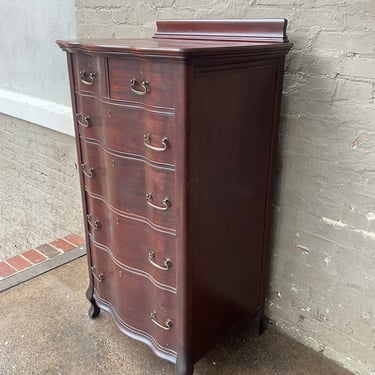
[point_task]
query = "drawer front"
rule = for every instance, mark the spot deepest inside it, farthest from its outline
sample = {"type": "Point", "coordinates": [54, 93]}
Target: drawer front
{"type": "Point", "coordinates": [147, 81]}
{"type": "Point", "coordinates": [89, 74]}
{"type": "Point", "coordinates": [139, 308]}
{"type": "Point", "coordinates": [127, 128]}
{"type": "Point", "coordinates": [129, 185]}
{"type": "Point", "coordinates": [133, 244]}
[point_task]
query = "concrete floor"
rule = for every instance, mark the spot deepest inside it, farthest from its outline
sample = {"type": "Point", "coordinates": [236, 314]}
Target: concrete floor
{"type": "Point", "coordinates": [44, 329]}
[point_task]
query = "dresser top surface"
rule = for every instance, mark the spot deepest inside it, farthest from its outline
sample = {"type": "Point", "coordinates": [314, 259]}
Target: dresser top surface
{"type": "Point", "coordinates": [168, 46]}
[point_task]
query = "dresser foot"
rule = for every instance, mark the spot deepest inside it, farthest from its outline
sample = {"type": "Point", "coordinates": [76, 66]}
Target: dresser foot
{"type": "Point", "coordinates": [257, 325]}
{"type": "Point", "coordinates": [184, 367]}
{"type": "Point", "coordinates": [94, 310]}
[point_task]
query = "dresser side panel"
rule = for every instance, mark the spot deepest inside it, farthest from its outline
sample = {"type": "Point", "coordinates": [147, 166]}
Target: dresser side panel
{"type": "Point", "coordinates": [230, 145]}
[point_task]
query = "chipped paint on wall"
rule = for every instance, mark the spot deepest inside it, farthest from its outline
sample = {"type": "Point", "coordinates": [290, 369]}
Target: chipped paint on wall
{"type": "Point", "coordinates": [340, 224]}
{"type": "Point", "coordinates": [304, 249]}
{"type": "Point", "coordinates": [335, 223]}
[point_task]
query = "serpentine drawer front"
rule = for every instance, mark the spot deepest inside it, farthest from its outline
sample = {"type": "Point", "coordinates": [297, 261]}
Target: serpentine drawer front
{"type": "Point", "coordinates": [127, 128]}
{"type": "Point", "coordinates": [176, 139]}
{"type": "Point", "coordinates": [151, 82]}
{"type": "Point", "coordinates": [88, 73]}
{"type": "Point", "coordinates": [134, 304]}
{"type": "Point", "coordinates": [149, 191]}
{"type": "Point", "coordinates": [153, 252]}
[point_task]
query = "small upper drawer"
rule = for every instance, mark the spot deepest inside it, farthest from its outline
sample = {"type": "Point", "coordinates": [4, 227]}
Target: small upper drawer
{"type": "Point", "coordinates": [142, 80]}
{"type": "Point", "coordinates": [89, 74]}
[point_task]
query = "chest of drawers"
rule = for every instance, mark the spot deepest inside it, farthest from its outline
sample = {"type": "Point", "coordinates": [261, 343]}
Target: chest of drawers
{"type": "Point", "coordinates": [176, 139]}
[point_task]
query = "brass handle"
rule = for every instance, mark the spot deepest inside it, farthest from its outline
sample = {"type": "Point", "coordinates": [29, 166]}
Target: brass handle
{"type": "Point", "coordinates": [147, 141]}
{"type": "Point", "coordinates": [89, 173]}
{"type": "Point", "coordinates": [144, 84]}
{"type": "Point", "coordinates": [95, 224]}
{"type": "Point", "coordinates": [167, 262]}
{"type": "Point", "coordinates": [87, 78]}
{"type": "Point", "coordinates": [167, 324]}
{"type": "Point", "coordinates": [99, 277]}
{"type": "Point", "coordinates": [82, 120]}
{"type": "Point", "coordinates": [166, 202]}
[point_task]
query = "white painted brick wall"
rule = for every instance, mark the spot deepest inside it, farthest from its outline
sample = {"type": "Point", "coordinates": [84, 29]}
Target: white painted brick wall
{"type": "Point", "coordinates": [323, 257]}
{"type": "Point", "coordinates": [39, 186]}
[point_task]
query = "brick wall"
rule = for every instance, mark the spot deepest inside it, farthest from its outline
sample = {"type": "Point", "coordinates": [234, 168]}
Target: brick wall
{"type": "Point", "coordinates": [323, 257]}
{"type": "Point", "coordinates": [39, 186]}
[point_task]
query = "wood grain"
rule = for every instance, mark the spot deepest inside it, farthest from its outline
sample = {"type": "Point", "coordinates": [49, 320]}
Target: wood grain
{"type": "Point", "coordinates": [130, 242]}
{"type": "Point", "coordinates": [123, 182]}
{"type": "Point", "coordinates": [122, 128]}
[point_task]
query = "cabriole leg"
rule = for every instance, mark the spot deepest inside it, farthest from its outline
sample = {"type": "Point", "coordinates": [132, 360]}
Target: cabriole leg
{"type": "Point", "coordinates": [94, 310]}
{"type": "Point", "coordinates": [257, 325]}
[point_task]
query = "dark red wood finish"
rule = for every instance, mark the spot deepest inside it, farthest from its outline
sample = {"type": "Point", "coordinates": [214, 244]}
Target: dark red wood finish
{"type": "Point", "coordinates": [121, 128]}
{"type": "Point", "coordinates": [104, 172]}
{"type": "Point", "coordinates": [118, 233]}
{"type": "Point", "coordinates": [160, 76]}
{"type": "Point", "coordinates": [229, 163]}
{"type": "Point", "coordinates": [269, 30]}
{"type": "Point", "coordinates": [213, 88]}
{"type": "Point", "coordinates": [86, 64]}
{"type": "Point", "coordinates": [132, 307]}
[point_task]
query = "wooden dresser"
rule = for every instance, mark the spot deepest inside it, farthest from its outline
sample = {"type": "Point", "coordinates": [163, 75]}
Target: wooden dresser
{"type": "Point", "coordinates": [176, 138]}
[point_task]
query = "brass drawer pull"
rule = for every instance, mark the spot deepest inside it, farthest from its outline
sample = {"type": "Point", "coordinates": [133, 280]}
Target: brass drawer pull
{"type": "Point", "coordinates": [88, 173]}
{"type": "Point", "coordinates": [99, 277]}
{"type": "Point", "coordinates": [84, 121]}
{"type": "Point", "coordinates": [166, 203]}
{"type": "Point", "coordinates": [147, 141]}
{"type": "Point", "coordinates": [145, 86]}
{"type": "Point", "coordinates": [167, 262]}
{"type": "Point", "coordinates": [95, 224]}
{"type": "Point", "coordinates": [87, 78]}
{"type": "Point", "coordinates": [167, 324]}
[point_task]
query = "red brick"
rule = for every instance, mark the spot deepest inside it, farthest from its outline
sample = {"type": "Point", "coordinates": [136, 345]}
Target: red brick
{"type": "Point", "coordinates": [18, 263]}
{"type": "Point", "coordinates": [48, 250]}
{"type": "Point", "coordinates": [6, 270]}
{"type": "Point", "coordinates": [34, 256]}
{"type": "Point", "coordinates": [61, 244]}
{"type": "Point", "coordinates": [75, 239]}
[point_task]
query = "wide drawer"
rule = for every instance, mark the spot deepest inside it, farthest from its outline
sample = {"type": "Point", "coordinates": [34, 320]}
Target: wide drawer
{"type": "Point", "coordinates": [133, 244]}
{"type": "Point", "coordinates": [127, 128]}
{"type": "Point", "coordinates": [89, 74]}
{"type": "Point", "coordinates": [129, 185]}
{"type": "Point", "coordinates": [137, 307]}
{"type": "Point", "coordinates": [147, 81]}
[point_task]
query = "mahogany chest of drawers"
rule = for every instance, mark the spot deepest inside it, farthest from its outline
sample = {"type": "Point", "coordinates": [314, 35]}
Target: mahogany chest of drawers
{"type": "Point", "coordinates": [176, 139]}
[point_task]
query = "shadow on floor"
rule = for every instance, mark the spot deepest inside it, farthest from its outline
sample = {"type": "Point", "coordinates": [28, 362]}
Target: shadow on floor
{"type": "Point", "coordinates": [45, 330]}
